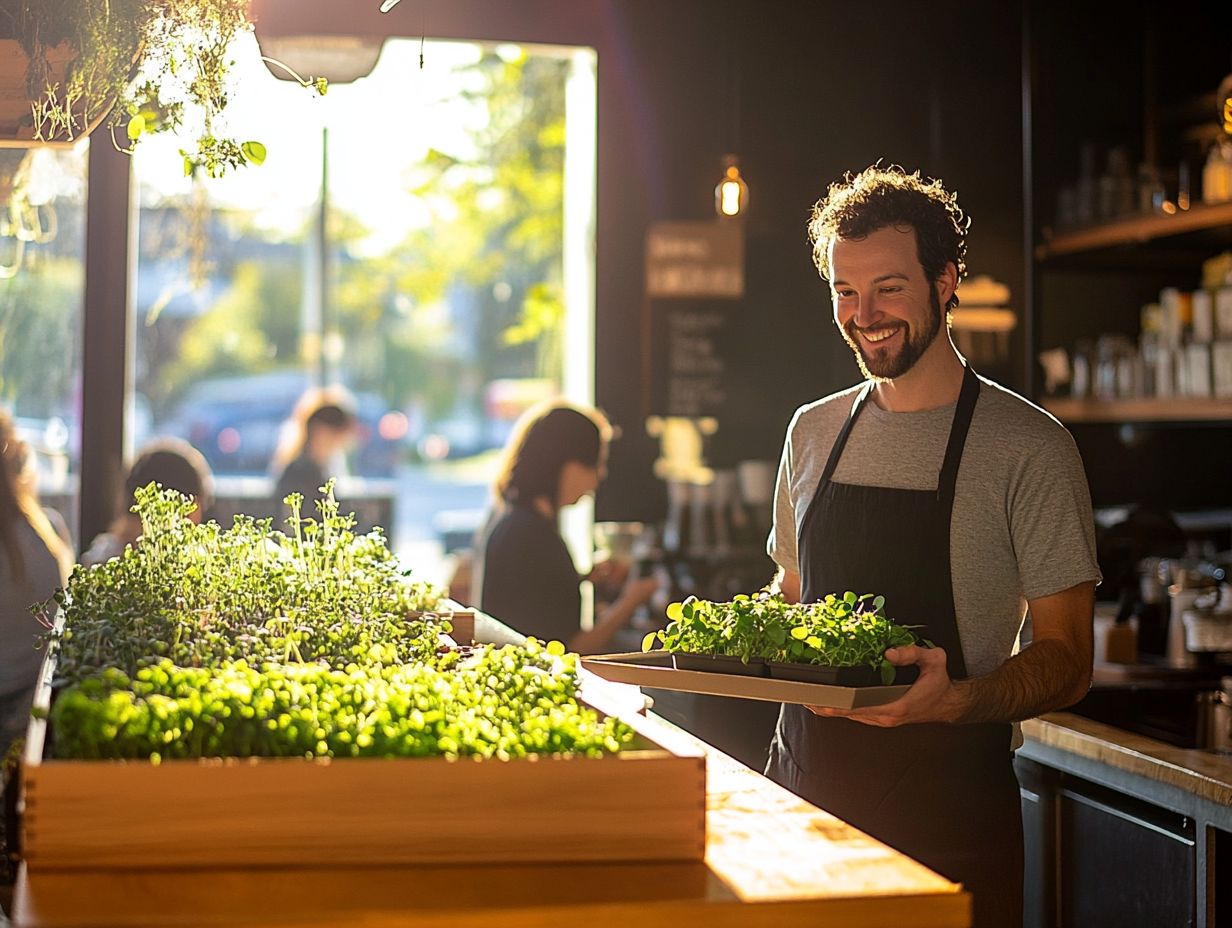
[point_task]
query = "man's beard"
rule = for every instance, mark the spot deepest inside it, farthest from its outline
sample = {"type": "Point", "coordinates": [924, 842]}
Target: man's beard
{"type": "Point", "coordinates": [882, 364]}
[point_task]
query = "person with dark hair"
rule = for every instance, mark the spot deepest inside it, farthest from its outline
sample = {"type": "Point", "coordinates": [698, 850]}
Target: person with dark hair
{"type": "Point", "coordinates": [964, 506]}
{"type": "Point", "coordinates": [526, 576]}
{"type": "Point", "coordinates": [34, 562]}
{"type": "Point", "coordinates": [321, 428]}
{"type": "Point", "coordinates": [171, 463]}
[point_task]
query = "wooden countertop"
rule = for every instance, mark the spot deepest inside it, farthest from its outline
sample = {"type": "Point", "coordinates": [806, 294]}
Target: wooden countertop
{"type": "Point", "coordinates": [1206, 775]}
{"type": "Point", "coordinates": [771, 859]}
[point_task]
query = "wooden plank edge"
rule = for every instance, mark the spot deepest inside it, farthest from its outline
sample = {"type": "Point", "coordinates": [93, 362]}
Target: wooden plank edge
{"type": "Point", "coordinates": [949, 911]}
{"type": "Point", "coordinates": [1135, 230]}
{"type": "Point", "coordinates": [36, 731]}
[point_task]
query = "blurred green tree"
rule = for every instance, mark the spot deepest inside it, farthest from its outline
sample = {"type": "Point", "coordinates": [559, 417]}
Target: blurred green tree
{"type": "Point", "coordinates": [40, 316]}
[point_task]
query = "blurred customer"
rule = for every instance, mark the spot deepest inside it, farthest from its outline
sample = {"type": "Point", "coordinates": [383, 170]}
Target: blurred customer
{"type": "Point", "coordinates": [556, 456]}
{"type": "Point", "coordinates": [170, 462]}
{"type": "Point", "coordinates": [34, 562]}
{"type": "Point", "coordinates": [320, 431]}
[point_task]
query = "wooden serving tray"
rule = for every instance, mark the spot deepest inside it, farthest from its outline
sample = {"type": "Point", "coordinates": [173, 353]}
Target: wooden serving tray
{"type": "Point", "coordinates": [654, 669]}
{"type": "Point", "coordinates": [647, 803]}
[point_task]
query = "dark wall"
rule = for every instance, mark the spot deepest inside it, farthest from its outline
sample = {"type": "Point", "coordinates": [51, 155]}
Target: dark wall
{"type": "Point", "coordinates": [802, 91]}
{"type": "Point", "coordinates": [822, 88]}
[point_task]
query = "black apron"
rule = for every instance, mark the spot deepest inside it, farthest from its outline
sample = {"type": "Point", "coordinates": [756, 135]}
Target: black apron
{"type": "Point", "coordinates": [945, 795]}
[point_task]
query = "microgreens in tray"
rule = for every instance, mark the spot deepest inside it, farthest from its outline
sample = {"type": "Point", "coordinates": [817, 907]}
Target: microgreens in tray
{"type": "Point", "coordinates": [841, 630]}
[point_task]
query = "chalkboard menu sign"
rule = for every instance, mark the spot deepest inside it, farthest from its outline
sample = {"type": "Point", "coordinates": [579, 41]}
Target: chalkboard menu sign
{"type": "Point", "coordinates": [694, 280]}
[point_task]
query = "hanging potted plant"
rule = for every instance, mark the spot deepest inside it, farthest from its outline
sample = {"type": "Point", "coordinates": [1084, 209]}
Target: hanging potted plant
{"type": "Point", "coordinates": [137, 66]}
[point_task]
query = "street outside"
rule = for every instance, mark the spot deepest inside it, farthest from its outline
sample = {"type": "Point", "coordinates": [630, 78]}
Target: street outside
{"type": "Point", "coordinates": [437, 504]}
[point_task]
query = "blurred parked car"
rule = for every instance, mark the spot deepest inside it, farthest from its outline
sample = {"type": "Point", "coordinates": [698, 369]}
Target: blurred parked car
{"type": "Point", "coordinates": [458, 436]}
{"type": "Point", "coordinates": [465, 432]}
{"type": "Point", "coordinates": [236, 423]}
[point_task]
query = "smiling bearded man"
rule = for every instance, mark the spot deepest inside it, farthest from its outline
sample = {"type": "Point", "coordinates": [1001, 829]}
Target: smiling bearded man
{"type": "Point", "coordinates": [881, 362]}
{"type": "Point", "coordinates": [960, 503]}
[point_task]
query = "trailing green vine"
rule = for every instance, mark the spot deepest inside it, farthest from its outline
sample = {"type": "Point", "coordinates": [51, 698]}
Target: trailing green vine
{"type": "Point", "coordinates": [179, 50]}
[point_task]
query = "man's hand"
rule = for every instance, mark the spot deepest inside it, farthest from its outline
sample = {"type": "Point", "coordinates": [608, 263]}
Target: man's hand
{"type": "Point", "coordinates": [1054, 671]}
{"type": "Point", "coordinates": [932, 698]}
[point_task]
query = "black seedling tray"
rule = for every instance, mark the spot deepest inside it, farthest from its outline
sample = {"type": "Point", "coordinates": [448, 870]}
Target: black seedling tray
{"type": "Point", "coordinates": [720, 663]}
{"type": "Point", "coordinates": [838, 676]}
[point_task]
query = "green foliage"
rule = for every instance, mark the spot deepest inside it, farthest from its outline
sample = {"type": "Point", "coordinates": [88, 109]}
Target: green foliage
{"type": "Point", "coordinates": [200, 642]}
{"type": "Point", "coordinates": [40, 316]}
{"type": "Point", "coordinates": [845, 631]}
{"type": "Point", "coordinates": [253, 327]}
{"type": "Point", "coordinates": [495, 242]}
{"type": "Point", "coordinates": [501, 703]}
{"type": "Point", "coordinates": [202, 596]}
{"type": "Point", "coordinates": [701, 627]}
{"type": "Point", "coordinates": [500, 217]}
{"type": "Point", "coordinates": [182, 49]}
{"type": "Point", "coordinates": [839, 630]}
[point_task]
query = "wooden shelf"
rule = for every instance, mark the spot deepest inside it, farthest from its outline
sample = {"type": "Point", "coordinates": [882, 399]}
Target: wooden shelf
{"type": "Point", "coordinates": [1181, 409]}
{"type": "Point", "coordinates": [1136, 229]}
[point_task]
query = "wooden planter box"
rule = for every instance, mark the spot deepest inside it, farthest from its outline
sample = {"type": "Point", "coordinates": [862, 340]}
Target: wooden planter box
{"type": "Point", "coordinates": [647, 803]}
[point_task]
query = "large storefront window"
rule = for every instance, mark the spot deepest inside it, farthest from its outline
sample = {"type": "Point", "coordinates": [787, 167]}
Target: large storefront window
{"type": "Point", "coordinates": [407, 239]}
{"type": "Point", "coordinates": [42, 279]}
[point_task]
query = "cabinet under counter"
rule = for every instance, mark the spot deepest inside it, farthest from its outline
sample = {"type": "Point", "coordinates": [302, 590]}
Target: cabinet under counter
{"type": "Point", "coordinates": [1122, 829]}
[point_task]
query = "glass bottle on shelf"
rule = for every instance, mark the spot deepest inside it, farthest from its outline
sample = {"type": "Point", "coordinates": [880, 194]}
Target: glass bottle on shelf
{"type": "Point", "coordinates": [1223, 102]}
{"type": "Point", "coordinates": [1086, 197]}
{"type": "Point", "coordinates": [1149, 347]}
{"type": "Point", "coordinates": [1105, 369]}
{"type": "Point", "coordinates": [1116, 187]}
{"type": "Point", "coordinates": [1080, 381]}
{"type": "Point", "coordinates": [1217, 173]}
{"type": "Point", "coordinates": [1150, 189]}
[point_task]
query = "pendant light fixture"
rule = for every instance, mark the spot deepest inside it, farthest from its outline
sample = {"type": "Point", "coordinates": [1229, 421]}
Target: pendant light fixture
{"type": "Point", "coordinates": [731, 196]}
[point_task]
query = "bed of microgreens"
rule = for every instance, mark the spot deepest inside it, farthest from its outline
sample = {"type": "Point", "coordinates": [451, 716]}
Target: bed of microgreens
{"type": "Point", "coordinates": [839, 630]}
{"type": "Point", "coordinates": [201, 641]}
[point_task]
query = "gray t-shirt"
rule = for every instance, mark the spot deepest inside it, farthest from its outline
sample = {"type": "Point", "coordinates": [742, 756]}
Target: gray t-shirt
{"type": "Point", "coordinates": [1022, 526]}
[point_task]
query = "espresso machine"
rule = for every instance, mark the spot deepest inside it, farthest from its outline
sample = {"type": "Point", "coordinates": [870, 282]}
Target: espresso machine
{"type": "Point", "coordinates": [1180, 617]}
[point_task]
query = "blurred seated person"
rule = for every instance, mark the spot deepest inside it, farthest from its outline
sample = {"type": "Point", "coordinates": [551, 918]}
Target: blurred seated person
{"type": "Point", "coordinates": [170, 462]}
{"type": "Point", "coordinates": [321, 430]}
{"type": "Point", "coordinates": [34, 563]}
{"type": "Point", "coordinates": [526, 576]}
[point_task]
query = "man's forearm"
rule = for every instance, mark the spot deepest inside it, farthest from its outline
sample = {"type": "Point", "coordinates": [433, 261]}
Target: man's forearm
{"type": "Point", "coordinates": [1045, 676]}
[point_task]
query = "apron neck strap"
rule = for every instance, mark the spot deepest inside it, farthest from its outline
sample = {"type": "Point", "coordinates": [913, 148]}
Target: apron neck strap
{"type": "Point", "coordinates": [836, 450]}
{"type": "Point", "coordinates": [967, 396]}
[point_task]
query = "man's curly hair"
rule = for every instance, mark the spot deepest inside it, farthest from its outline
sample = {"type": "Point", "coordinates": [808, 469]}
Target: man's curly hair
{"type": "Point", "coordinates": [878, 197]}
